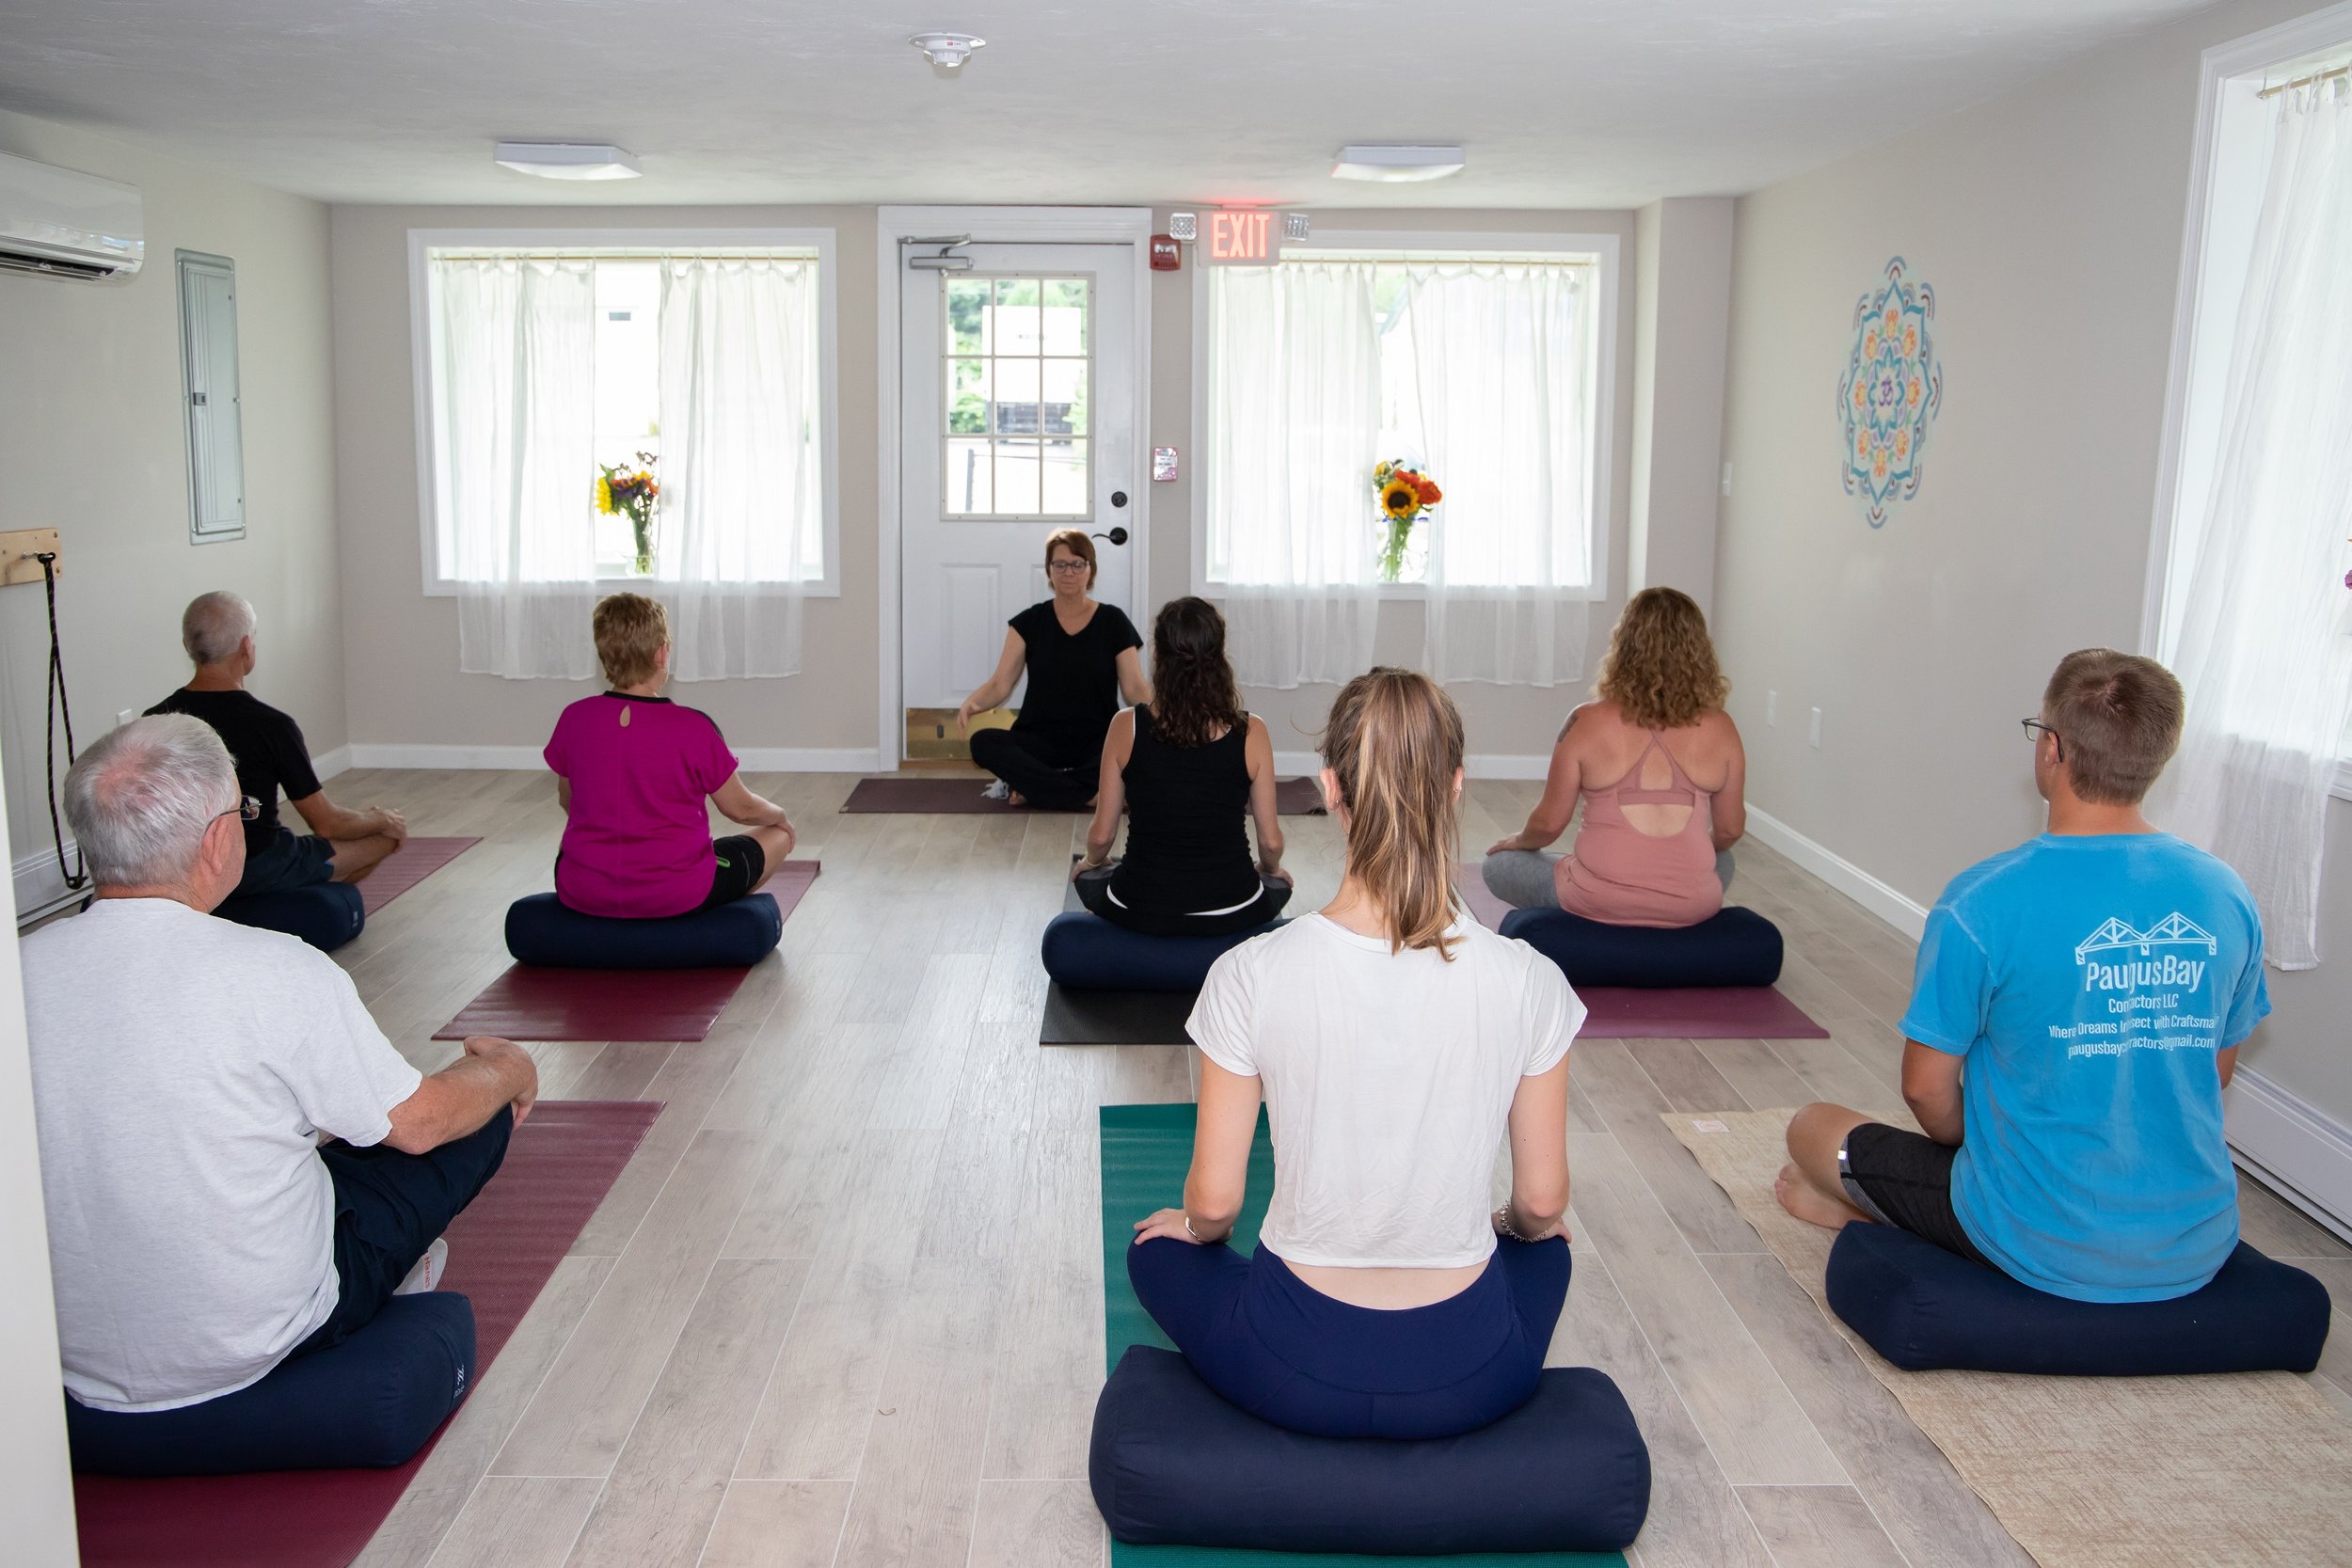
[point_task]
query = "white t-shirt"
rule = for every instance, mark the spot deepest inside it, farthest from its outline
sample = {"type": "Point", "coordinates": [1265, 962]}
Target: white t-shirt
{"type": "Point", "coordinates": [1388, 1080]}
{"type": "Point", "coordinates": [183, 1067]}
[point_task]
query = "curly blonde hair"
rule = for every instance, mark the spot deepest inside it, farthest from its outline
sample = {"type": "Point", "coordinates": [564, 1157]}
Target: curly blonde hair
{"type": "Point", "coordinates": [1660, 667]}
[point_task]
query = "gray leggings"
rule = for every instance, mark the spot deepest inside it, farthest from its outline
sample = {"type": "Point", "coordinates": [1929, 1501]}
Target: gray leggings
{"type": "Point", "coordinates": [1524, 878]}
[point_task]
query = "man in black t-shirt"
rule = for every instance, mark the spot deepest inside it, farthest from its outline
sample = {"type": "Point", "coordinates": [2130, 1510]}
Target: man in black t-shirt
{"type": "Point", "coordinates": [267, 745]}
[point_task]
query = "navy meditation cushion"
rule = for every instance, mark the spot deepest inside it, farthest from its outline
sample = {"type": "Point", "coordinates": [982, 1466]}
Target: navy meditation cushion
{"type": "Point", "coordinates": [325, 916]}
{"type": "Point", "coordinates": [1732, 947]}
{"type": "Point", "coordinates": [540, 930]}
{"type": "Point", "coordinates": [1085, 952]}
{"type": "Point", "coordinates": [1173, 1463]}
{"type": "Point", "coordinates": [371, 1401]}
{"type": "Point", "coordinates": [1925, 1309]}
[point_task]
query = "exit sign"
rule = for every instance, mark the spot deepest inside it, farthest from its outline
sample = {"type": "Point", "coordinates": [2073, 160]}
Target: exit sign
{"type": "Point", "coordinates": [1240, 238]}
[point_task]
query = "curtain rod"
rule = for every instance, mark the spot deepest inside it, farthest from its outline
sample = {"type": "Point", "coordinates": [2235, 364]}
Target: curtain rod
{"type": "Point", "coordinates": [2304, 81]}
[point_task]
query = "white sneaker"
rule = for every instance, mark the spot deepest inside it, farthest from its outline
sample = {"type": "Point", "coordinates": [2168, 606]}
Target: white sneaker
{"type": "Point", "coordinates": [429, 1269]}
{"type": "Point", "coordinates": [997, 790]}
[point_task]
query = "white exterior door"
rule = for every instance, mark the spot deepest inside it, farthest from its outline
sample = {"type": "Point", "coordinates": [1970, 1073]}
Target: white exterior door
{"type": "Point", "coordinates": [1018, 410]}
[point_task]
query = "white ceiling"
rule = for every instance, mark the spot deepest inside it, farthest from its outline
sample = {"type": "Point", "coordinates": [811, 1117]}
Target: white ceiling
{"type": "Point", "coordinates": [1561, 103]}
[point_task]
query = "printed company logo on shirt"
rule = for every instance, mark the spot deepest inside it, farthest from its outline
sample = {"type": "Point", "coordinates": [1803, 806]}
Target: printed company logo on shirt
{"type": "Point", "coordinates": [2116, 957]}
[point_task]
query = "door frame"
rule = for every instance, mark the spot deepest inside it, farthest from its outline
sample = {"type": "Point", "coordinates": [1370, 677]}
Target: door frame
{"type": "Point", "coordinates": [1128, 225]}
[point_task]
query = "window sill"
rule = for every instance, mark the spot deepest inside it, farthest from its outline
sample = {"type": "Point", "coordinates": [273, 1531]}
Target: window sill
{"type": "Point", "coordinates": [813, 589]}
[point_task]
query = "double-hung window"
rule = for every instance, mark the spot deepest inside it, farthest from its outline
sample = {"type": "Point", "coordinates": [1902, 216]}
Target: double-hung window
{"type": "Point", "coordinates": [1481, 369]}
{"type": "Point", "coordinates": [598, 411]}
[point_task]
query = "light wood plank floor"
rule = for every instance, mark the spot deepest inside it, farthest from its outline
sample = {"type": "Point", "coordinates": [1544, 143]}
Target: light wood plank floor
{"type": "Point", "coordinates": [843, 1309]}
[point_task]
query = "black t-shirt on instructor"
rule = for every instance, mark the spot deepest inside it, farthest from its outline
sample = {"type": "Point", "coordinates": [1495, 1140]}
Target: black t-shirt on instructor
{"type": "Point", "coordinates": [1074, 676]}
{"type": "Point", "coordinates": [266, 746]}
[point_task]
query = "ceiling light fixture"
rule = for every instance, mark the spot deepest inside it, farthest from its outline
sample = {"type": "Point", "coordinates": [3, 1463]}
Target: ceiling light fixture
{"type": "Point", "coordinates": [1395, 165]}
{"type": "Point", "coordinates": [557, 159]}
{"type": "Point", "coordinates": [947, 51]}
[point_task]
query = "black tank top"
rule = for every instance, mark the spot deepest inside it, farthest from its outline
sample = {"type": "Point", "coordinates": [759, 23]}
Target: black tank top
{"type": "Point", "coordinates": [1186, 850]}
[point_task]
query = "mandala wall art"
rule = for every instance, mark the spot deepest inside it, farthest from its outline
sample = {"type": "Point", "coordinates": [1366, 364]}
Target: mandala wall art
{"type": "Point", "coordinates": [1894, 385]}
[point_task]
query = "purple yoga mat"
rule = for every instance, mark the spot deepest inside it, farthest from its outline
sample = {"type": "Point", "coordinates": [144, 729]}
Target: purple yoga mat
{"type": "Point", "coordinates": [408, 865]}
{"type": "Point", "coordinates": [961, 794]}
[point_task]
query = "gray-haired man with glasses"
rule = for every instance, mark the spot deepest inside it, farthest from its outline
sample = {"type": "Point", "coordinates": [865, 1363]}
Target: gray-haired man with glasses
{"type": "Point", "coordinates": [184, 1071]}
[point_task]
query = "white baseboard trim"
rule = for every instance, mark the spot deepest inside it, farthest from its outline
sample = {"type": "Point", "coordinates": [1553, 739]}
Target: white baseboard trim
{"type": "Point", "coordinates": [38, 888]}
{"type": "Point", "coordinates": [756, 759]}
{"type": "Point", "coordinates": [1491, 765]}
{"type": "Point", "coordinates": [327, 764]}
{"type": "Point", "coordinates": [2297, 1149]}
{"type": "Point", "coordinates": [1896, 908]}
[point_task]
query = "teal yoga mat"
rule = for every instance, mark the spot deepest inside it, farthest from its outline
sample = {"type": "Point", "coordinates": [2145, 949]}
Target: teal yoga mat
{"type": "Point", "coordinates": [1146, 1151]}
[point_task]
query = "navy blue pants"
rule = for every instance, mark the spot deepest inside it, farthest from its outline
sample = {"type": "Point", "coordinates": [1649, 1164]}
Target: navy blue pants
{"type": "Point", "coordinates": [388, 1208]}
{"type": "Point", "coordinates": [1288, 1353]}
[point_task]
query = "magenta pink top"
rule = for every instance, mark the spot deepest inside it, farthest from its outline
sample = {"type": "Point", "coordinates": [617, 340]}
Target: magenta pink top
{"type": "Point", "coordinates": [638, 844]}
{"type": "Point", "coordinates": [1626, 877]}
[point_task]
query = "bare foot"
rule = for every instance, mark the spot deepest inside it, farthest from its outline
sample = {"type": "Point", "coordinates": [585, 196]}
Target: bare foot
{"type": "Point", "coordinates": [1809, 1203]}
{"type": "Point", "coordinates": [1014, 797]}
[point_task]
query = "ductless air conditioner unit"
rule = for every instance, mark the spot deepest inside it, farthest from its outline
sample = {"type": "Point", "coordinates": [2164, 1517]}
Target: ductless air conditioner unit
{"type": "Point", "coordinates": [67, 224]}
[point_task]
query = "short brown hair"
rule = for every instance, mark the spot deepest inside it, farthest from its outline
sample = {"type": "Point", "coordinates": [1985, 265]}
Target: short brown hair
{"type": "Point", "coordinates": [1076, 542]}
{"type": "Point", "coordinates": [2118, 719]}
{"type": "Point", "coordinates": [1660, 665]}
{"type": "Point", "coordinates": [631, 631]}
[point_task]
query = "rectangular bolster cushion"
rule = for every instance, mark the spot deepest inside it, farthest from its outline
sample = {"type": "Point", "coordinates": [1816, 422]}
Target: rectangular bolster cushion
{"type": "Point", "coordinates": [325, 916]}
{"type": "Point", "coordinates": [1925, 1309]}
{"type": "Point", "coordinates": [1085, 952]}
{"type": "Point", "coordinates": [1173, 1463]}
{"type": "Point", "coordinates": [540, 930]}
{"type": "Point", "coordinates": [1734, 946]}
{"type": "Point", "coordinates": [372, 1401]}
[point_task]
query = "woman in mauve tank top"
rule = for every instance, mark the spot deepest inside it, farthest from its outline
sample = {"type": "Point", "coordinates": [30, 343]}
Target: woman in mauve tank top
{"type": "Point", "coordinates": [1657, 765]}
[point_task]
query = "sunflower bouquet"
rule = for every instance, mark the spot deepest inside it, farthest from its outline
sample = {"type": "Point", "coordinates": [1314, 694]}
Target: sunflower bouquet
{"type": "Point", "coordinates": [1405, 495]}
{"type": "Point", "coordinates": [626, 492]}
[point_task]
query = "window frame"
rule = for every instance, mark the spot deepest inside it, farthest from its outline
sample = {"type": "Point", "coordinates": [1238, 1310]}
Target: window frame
{"type": "Point", "coordinates": [624, 244]}
{"type": "Point", "coordinates": [2217, 233]}
{"type": "Point", "coordinates": [1604, 248]}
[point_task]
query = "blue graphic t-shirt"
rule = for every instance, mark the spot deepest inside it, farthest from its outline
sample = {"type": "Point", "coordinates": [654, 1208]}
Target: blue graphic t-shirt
{"type": "Point", "coordinates": [2089, 980]}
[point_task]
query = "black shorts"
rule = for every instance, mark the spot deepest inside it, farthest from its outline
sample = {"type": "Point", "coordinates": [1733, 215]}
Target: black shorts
{"type": "Point", "coordinates": [1904, 1180]}
{"type": "Point", "coordinates": [289, 859]}
{"type": "Point", "coordinates": [742, 863]}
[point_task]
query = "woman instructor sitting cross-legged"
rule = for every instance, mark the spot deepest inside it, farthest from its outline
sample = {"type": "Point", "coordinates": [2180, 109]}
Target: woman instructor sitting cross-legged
{"type": "Point", "coordinates": [1082, 659]}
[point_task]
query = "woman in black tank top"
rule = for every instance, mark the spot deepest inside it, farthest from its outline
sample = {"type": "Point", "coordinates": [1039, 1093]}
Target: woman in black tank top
{"type": "Point", "coordinates": [1186, 768]}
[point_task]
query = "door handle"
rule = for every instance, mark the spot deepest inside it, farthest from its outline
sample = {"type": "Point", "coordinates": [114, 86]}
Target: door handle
{"type": "Point", "coordinates": [1117, 536]}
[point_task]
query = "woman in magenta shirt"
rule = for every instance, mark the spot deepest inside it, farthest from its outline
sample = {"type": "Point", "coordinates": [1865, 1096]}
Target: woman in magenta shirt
{"type": "Point", "coordinates": [633, 770]}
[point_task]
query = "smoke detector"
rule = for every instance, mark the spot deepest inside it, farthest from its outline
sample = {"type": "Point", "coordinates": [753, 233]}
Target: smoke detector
{"type": "Point", "coordinates": [947, 51]}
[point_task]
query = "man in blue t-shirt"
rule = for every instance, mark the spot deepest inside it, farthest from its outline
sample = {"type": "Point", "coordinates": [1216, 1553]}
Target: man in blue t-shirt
{"type": "Point", "coordinates": [2076, 1013]}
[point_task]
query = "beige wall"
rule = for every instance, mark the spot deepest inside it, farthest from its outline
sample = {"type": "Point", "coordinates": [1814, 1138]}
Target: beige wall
{"type": "Point", "coordinates": [93, 442]}
{"type": "Point", "coordinates": [403, 644]}
{"type": "Point", "coordinates": [1683, 318]}
{"type": "Point", "coordinates": [1512, 722]}
{"type": "Point", "coordinates": [2049, 223]}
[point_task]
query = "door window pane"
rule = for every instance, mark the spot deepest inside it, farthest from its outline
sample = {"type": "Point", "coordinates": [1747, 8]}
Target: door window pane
{"type": "Point", "coordinates": [1017, 370]}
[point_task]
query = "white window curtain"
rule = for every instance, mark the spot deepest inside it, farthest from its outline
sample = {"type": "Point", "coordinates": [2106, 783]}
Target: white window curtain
{"type": "Point", "coordinates": [516, 372]}
{"type": "Point", "coordinates": [2265, 641]}
{"type": "Point", "coordinates": [742, 491]}
{"type": "Point", "coordinates": [1294, 383]}
{"type": "Point", "coordinates": [1499, 401]}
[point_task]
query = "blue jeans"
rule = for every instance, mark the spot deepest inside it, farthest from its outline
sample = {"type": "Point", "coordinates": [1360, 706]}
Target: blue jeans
{"type": "Point", "coordinates": [388, 1208]}
{"type": "Point", "coordinates": [1287, 1354]}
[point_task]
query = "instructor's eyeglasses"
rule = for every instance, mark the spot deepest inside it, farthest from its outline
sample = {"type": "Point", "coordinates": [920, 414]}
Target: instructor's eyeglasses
{"type": "Point", "coordinates": [246, 809]}
{"type": "Point", "coordinates": [2036, 729]}
{"type": "Point", "coordinates": [1065, 565]}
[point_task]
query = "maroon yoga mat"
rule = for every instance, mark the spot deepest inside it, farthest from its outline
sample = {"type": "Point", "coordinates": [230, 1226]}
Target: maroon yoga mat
{"type": "Point", "coordinates": [532, 1004]}
{"type": "Point", "coordinates": [408, 865]}
{"type": "Point", "coordinates": [528, 1003]}
{"type": "Point", "coordinates": [960, 795]}
{"type": "Point", "coordinates": [501, 1250]}
{"type": "Point", "coordinates": [1687, 1013]}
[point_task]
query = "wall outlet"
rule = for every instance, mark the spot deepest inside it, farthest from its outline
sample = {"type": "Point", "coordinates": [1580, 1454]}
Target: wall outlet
{"type": "Point", "coordinates": [1726, 479]}
{"type": "Point", "coordinates": [1771, 707]}
{"type": "Point", "coordinates": [125, 717]}
{"type": "Point", "coordinates": [1816, 729]}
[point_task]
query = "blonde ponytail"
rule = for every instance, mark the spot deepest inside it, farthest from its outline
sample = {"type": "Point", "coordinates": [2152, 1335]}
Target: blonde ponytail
{"type": "Point", "coordinates": [1394, 742]}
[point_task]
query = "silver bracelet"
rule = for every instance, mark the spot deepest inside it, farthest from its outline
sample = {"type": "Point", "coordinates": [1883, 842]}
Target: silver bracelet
{"type": "Point", "coordinates": [1186, 1219]}
{"type": "Point", "coordinates": [1502, 1223]}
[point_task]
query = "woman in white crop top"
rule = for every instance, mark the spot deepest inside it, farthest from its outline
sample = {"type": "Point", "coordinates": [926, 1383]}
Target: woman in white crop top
{"type": "Point", "coordinates": [1393, 1041]}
